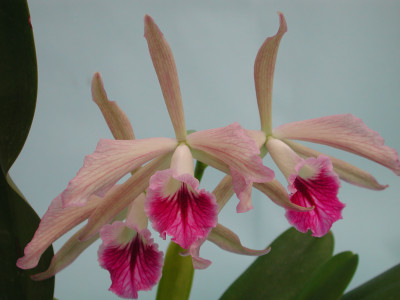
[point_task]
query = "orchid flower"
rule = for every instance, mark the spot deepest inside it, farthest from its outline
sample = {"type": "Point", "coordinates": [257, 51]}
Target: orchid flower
{"type": "Point", "coordinates": [313, 177]}
{"type": "Point", "coordinates": [173, 202]}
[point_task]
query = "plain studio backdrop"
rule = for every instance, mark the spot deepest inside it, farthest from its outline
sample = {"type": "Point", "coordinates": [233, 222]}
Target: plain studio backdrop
{"type": "Point", "coordinates": [337, 57]}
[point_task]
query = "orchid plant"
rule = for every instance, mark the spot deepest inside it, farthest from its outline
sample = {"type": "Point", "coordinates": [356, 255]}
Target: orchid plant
{"type": "Point", "coordinates": [163, 186]}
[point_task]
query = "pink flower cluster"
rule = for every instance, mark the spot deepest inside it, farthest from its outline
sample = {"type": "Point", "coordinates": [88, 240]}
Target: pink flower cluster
{"type": "Point", "coordinates": [162, 187]}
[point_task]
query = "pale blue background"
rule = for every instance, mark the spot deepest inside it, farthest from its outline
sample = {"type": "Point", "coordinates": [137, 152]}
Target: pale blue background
{"type": "Point", "coordinates": [337, 57]}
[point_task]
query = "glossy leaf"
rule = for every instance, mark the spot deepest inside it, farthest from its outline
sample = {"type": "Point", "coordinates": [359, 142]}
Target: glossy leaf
{"type": "Point", "coordinates": [282, 273]}
{"type": "Point", "coordinates": [330, 281]}
{"type": "Point", "coordinates": [18, 223]}
{"type": "Point", "coordinates": [385, 286]}
{"type": "Point", "coordinates": [18, 79]}
{"type": "Point", "coordinates": [177, 275]}
{"type": "Point", "coordinates": [18, 88]}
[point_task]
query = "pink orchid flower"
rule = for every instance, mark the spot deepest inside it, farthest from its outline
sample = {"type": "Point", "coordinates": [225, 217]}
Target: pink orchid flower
{"type": "Point", "coordinates": [173, 202]}
{"type": "Point", "coordinates": [313, 177]}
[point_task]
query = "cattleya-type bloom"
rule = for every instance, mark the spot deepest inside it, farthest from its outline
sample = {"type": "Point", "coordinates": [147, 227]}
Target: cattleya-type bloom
{"type": "Point", "coordinates": [162, 188]}
{"type": "Point", "coordinates": [313, 177]}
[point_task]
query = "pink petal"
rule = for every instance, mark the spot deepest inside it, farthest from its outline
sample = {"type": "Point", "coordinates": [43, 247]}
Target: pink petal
{"type": "Point", "coordinates": [242, 188]}
{"type": "Point", "coordinates": [258, 136]}
{"type": "Point", "coordinates": [131, 257]}
{"type": "Point", "coordinates": [118, 199]}
{"type": "Point", "coordinates": [199, 263]}
{"type": "Point", "coordinates": [55, 222]}
{"type": "Point", "coordinates": [319, 190]}
{"type": "Point", "coordinates": [226, 240]}
{"type": "Point", "coordinates": [116, 119]}
{"type": "Point", "coordinates": [185, 213]}
{"type": "Point", "coordinates": [165, 67]}
{"type": "Point", "coordinates": [66, 255]}
{"type": "Point", "coordinates": [110, 162]}
{"type": "Point", "coordinates": [229, 241]}
{"type": "Point", "coordinates": [346, 171]}
{"type": "Point", "coordinates": [232, 146]}
{"type": "Point", "coordinates": [344, 132]}
{"type": "Point", "coordinates": [264, 67]}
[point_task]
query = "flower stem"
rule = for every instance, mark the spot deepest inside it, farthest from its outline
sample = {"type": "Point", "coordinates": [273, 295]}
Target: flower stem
{"type": "Point", "coordinates": [177, 275]}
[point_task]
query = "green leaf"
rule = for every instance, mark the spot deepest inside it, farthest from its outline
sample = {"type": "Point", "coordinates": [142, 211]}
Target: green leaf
{"type": "Point", "coordinates": [18, 79]}
{"type": "Point", "coordinates": [385, 286]}
{"type": "Point", "coordinates": [18, 223]}
{"type": "Point", "coordinates": [177, 275]}
{"type": "Point", "coordinates": [330, 281]}
{"type": "Point", "coordinates": [283, 272]}
{"type": "Point", "coordinates": [18, 88]}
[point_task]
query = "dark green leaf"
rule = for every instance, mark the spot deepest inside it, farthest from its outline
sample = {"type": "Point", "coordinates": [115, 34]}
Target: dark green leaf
{"type": "Point", "coordinates": [177, 275]}
{"type": "Point", "coordinates": [18, 88]}
{"type": "Point", "coordinates": [283, 272]}
{"type": "Point", "coordinates": [18, 79]}
{"type": "Point", "coordinates": [332, 278]}
{"type": "Point", "coordinates": [18, 223]}
{"type": "Point", "coordinates": [385, 286]}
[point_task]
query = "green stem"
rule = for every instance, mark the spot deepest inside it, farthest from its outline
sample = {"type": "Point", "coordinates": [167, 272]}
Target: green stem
{"type": "Point", "coordinates": [177, 275]}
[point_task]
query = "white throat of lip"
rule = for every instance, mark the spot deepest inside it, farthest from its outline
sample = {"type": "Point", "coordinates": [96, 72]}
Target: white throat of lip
{"type": "Point", "coordinates": [306, 171]}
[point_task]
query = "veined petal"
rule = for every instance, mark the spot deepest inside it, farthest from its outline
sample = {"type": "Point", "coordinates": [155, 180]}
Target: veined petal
{"type": "Point", "coordinates": [346, 171]}
{"type": "Point", "coordinates": [66, 255]}
{"type": "Point", "coordinates": [165, 67]}
{"type": "Point", "coordinates": [110, 162]}
{"type": "Point", "coordinates": [258, 137]}
{"type": "Point", "coordinates": [315, 184]}
{"type": "Point", "coordinates": [264, 67]}
{"type": "Point", "coordinates": [344, 132]}
{"type": "Point", "coordinates": [131, 257]}
{"type": "Point", "coordinates": [242, 188]}
{"type": "Point", "coordinates": [116, 119]}
{"type": "Point", "coordinates": [56, 221]}
{"type": "Point", "coordinates": [235, 148]}
{"type": "Point", "coordinates": [229, 241]}
{"type": "Point", "coordinates": [232, 146]}
{"type": "Point", "coordinates": [176, 207]}
{"type": "Point", "coordinates": [118, 199]}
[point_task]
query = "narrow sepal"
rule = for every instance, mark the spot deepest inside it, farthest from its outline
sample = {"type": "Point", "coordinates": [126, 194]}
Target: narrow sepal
{"type": "Point", "coordinates": [165, 67]}
{"type": "Point", "coordinates": [56, 221]}
{"type": "Point", "coordinates": [116, 119]}
{"type": "Point", "coordinates": [264, 67]}
{"type": "Point", "coordinates": [112, 160]}
{"type": "Point", "coordinates": [66, 255]}
{"type": "Point", "coordinates": [121, 197]}
{"type": "Point", "coordinates": [229, 241]}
